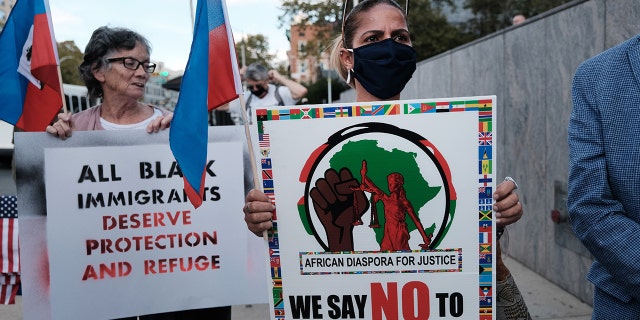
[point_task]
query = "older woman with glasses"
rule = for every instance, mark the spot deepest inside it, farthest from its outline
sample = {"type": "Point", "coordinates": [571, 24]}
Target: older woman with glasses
{"type": "Point", "coordinates": [115, 68]}
{"type": "Point", "coordinates": [374, 55]}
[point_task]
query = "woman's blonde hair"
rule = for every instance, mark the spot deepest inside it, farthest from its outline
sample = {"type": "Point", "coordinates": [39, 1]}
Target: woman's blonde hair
{"type": "Point", "coordinates": [334, 60]}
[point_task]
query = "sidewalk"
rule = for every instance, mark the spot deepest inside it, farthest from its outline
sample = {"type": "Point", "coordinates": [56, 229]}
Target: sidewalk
{"type": "Point", "coordinates": [545, 300]}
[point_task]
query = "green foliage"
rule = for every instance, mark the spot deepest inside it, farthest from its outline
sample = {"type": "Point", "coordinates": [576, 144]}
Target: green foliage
{"type": "Point", "coordinates": [256, 49]}
{"type": "Point", "coordinates": [70, 58]}
{"type": "Point", "coordinates": [431, 33]}
{"type": "Point", "coordinates": [318, 92]}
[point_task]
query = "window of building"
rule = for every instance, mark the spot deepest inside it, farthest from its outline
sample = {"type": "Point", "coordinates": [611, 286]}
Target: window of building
{"type": "Point", "coordinates": [302, 46]}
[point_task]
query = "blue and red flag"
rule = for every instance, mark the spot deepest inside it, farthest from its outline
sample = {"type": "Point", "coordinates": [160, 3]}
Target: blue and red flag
{"type": "Point", "coordinates": [210, 80]}
{"type": "Point", "coordinates": [30, 88]}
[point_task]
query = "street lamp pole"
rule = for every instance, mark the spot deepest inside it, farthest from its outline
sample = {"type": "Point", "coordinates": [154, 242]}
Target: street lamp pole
{"type": "Point", "coordinates": [242, 47]}
{"type": "Point", "coordinates": [193, 24]}
{"type": "Point", "coordinates": [64, 102]}
{"type": "Point", "coordinates": [329, 94]}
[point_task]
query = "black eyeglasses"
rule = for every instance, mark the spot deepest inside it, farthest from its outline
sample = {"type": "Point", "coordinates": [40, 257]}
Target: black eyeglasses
{"type": "Point", "coordinates": [134, 64]}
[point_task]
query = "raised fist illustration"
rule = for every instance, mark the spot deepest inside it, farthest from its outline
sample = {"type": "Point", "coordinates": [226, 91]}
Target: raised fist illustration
{"type": "Point", "coordinates": [339, 203]}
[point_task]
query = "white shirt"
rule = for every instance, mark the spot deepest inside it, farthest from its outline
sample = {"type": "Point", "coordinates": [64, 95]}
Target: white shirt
{"type": "Point", "coordinates": [269, 100]}
{"type": "Point", "coordinates": [140, 125]}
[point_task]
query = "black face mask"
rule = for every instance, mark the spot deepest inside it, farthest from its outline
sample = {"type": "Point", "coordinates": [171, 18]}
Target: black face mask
{"type": "Point", "coordinates": [384, 68]}
{"type": "Point", "coordinates": [257, 90]}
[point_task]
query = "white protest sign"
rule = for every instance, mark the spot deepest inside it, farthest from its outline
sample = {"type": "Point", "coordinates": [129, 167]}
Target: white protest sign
{"type": "Point", "coordinates": [383, 209]}
{"type": "Point", "coordinates": [119, 238]}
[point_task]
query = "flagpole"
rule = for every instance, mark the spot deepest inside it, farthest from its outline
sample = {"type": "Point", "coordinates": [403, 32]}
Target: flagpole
{"type": "Point", "coordinates": [193, 24]}
{"type": "Point", "coordinates": [252, 155]}
{"type": "Point", "coordinates": [64, 102]}
{"type": "Point", "coordinates": [247, 132]}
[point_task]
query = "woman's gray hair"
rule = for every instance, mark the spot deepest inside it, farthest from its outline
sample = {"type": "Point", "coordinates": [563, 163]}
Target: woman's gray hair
{"type": "Point", "coordinates": [103, 42]}
{"type": "Point", "coordinates": [256, 72]}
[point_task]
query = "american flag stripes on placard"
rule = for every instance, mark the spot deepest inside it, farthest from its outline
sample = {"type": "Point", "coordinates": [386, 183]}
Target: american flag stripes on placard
{"type": "Point", "coordinates": [9, 251]}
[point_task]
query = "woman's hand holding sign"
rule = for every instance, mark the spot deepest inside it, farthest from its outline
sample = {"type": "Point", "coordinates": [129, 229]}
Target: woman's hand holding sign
{"type": "Point", "coordinates": [258, 211]}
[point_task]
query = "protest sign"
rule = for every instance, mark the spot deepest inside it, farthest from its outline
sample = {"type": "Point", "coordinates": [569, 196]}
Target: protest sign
{"type": "Point", "coordinates": [120, 238]}
{"type": "Point", "coordinates": [383, 209]}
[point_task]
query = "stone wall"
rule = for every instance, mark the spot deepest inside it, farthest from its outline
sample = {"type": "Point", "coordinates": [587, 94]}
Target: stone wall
{"type": "Point", "coordinates": [530, 68]}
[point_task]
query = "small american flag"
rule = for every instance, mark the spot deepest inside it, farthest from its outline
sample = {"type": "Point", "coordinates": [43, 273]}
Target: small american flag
{"type": "Point", "coordinates": [264, 140]}
{"type": "Point", "coordinates": [9, 285]}
{"type": "Point", "coordinates": [9, 253]}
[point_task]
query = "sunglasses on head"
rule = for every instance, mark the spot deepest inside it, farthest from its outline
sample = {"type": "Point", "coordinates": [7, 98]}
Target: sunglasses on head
{"type": "Point", "coordinates": [344, 13]}
{"type": "Point", "coordinates": [346, 3]}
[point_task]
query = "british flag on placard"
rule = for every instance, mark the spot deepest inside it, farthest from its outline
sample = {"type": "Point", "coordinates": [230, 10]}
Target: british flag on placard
{"type": "Point", "coordinates": [9, 254]}
{"type": "Point", "coordinates": [485, 138]}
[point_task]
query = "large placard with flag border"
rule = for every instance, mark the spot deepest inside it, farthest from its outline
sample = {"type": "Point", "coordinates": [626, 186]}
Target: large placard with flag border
{"type": "Point", "coordinates": [383, 208]}
{"type": "Point", "coordinates": [115, 236]}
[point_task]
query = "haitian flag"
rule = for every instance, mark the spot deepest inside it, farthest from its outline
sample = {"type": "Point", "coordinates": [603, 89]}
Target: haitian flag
{"type": "Point", "coordinates": [30, 88]}
{"type": "Point", "coordinates": [210, 80]}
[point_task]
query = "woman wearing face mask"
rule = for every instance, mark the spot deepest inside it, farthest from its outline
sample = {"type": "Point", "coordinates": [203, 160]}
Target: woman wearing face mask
{"type": "Point", "coordinates": [374, 56]}
{"type": "Point", "coordinates": [374, 53]}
